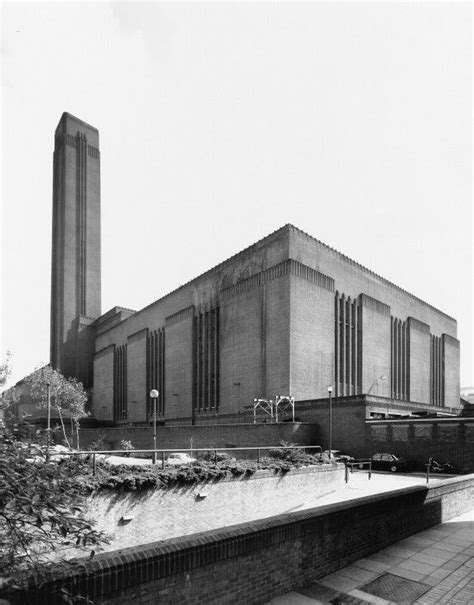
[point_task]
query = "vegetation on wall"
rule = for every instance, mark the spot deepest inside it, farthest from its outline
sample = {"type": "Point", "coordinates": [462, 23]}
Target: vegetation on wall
{"type": "Point", "coordinates": [42, 511]}
{"type": "Point", "coordinates": [131, 478]}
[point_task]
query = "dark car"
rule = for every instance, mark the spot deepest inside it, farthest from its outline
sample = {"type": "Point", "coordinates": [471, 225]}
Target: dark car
{"type": "Point", "coordinates": [391, 462]}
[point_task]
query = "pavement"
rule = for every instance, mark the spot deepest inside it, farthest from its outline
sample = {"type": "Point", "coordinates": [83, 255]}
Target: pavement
{"type": "Point", "coordinates": [432, 566]}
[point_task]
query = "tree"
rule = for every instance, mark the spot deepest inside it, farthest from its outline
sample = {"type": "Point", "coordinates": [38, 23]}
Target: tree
{"type": "Point", "coordinates": [5, 369]}
{"type": "Point", "coordinates": [67, 396]}
{"type": "Point", "coordinates": [10, 397]}
{"type": "Point", "coordinates": [41, 510]}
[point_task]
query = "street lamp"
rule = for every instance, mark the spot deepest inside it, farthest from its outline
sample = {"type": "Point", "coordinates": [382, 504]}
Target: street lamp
{"type": "Point", "coordinates": [376, 381]}
{"type": "Point", "coordinates": [330, 420]}
{"type": "Point", "coordinates": [154, 395]}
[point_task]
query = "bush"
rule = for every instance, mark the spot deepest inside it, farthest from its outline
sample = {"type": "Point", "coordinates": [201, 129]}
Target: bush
{"type": "Point", "coordinates": [297, 457]}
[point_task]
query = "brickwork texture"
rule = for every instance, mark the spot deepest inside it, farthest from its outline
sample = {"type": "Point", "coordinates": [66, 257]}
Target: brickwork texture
{"type": "Point", "coordinates": [253, 562]}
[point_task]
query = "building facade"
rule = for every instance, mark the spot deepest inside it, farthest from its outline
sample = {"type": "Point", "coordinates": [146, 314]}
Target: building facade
{"type": "Point", "coordinates": [288, 315]}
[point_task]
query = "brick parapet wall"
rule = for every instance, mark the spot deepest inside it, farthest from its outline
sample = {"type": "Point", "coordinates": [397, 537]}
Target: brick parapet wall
{"type": "Point", "coordinates": [209, 436]}
{"type": "Point", "coordinates": [445, 439]}
{"type": "Point", "coordinates": [167, 513]}
{"type": "Point", "coordinates": [253, 562]}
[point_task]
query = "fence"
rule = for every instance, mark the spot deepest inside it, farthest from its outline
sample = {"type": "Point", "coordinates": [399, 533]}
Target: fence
{"type": "Point", "coordinates": [152, 453]}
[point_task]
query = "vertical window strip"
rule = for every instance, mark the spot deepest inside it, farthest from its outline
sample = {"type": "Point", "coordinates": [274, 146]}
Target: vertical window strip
{"type": "Point", "coordinates": [217, 360]}
{"type": "Point", "coordinates": [359, 348]}
{"type": "Point", "coordinates": [402, 356]}
{"type": "Point", "coordinates": [162, 371]}
{"type": "Point", "coordinates": [353, 348]}
{"type": "Point", "coordinates": [120, 383]}
{"type": "Point", "coordinates": [206, 359]}
{"type": "Point", "coordinates": [201, 357]}
{"type": "Point", "coordinates": [400, 359]}
{"type": "Point", "coordinates": [207, 351]}
{"type": "Point", "coordinates": [212, 359]}
{"type": "Point", "coordinates": [438, 402]}
{"type": "Point", "coordinates": [392, 374]}
{"type": "Point", "coordinates": [408, 376]}
{"type": "Point", "coordinates": [397, 340]}
{"type": "Point", "coordinates": [195, 363]}
{"type": "Point", "coordinates": [156, 371]}
{"type": "Point", "coordinates": [336, 343]}
{"type": "Point", "coordinates": [342, 332]}
{"type": "Point", "coordinates": [347, 345]}
{"type": "Point", "coordinates": [437, 371]}
{"type": "Point", "coordinates": [442, 370]}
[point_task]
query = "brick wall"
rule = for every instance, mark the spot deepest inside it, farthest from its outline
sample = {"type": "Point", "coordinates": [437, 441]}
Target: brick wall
{"type": "Point", "coordinates": [348, 422]}
{"type": "Point", "coordinates": [179, 363]}
{"type": "Point", "coordinates": [445, 439]}
{"type": "Point", "coordinates": [231, 435]}
{"type": "Point", "coordinates": [375, 346]}
{"type": "Point", "coordinates": [312, 338]}
{"type": "Point", "coordinates": [104, 383]}
{"type": "Point", "coordinates": [241, 350]}
{"type": "Point", "coordinates": [136, 373]}
{"type": "Point", "coordinates": [254, 562]}
{"type": "Point", "coordinates": [277, 338]}
{"type": "Point", "coordinates": [451, 371]}
{"type": "Point", "coordinates": [169, 513]}
{"type": "Point", "coordinates": [419, 369]}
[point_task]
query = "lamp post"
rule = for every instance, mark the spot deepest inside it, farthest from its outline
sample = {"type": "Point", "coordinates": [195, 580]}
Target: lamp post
{"type": "Point", "coordinates": [376, 382]}
{"type": "Point", "coordinates": [330, 421]}
{"type": "Point", "coordinates": [154, 395]}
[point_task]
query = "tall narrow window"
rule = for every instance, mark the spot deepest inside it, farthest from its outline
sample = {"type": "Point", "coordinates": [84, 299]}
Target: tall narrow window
{"type": "Point", "coordinates": [400, 359]}
{"type": "Point", "coordinates": [437, 371]}
{"type": "Point", "coordinates": [206, 360]}
{"type": "Point", "coordinates": [120, 384]}
{"type": "Point", "coordinates": [155, 370]}
{"type": "Point", "coordinates": [347, 346]}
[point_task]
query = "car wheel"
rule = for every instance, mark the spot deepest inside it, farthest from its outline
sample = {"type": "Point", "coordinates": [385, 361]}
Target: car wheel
{"type": "Point", "coordinates": [393, 468]}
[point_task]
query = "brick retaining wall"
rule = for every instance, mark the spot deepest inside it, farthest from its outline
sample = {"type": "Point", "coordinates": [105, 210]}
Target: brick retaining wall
{"type": "Point", "coordinates": [253, 562]}
{"type": "Point", "coordinates": [223, 435]}
{"type": "Point", "coordinates": [181, 510]}
{"type": "Point", "coordinates": [445, 439]}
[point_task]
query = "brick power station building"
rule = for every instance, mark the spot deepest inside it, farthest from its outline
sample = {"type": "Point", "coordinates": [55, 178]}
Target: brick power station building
{"type": "Point", "coordinates": [288, 315]}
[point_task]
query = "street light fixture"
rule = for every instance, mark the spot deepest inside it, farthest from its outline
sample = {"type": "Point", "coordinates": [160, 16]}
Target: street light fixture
{"type": "Point", "coordinates": [330, 420]}
{"type": "Point", "coordinates": [154, 394]}
{"type": "Point", "coordinates": [376, 381]}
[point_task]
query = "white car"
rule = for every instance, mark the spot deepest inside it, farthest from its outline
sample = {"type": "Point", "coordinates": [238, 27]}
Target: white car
{"type": "Point", "coordinates": [178, 459]}
{"type": "Point", "coordinates": [338, 456]}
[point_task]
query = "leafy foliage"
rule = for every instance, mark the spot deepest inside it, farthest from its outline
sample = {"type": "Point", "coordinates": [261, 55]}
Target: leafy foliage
{"type": "Point", "coordinates": [67, 396]}
{"type": "Point", "coordinates": [5, 369]}
{"type": "Point", "coordinates": [41, 508]}
{"type": "Point", "coordinates": [295, 456]}
{"type": "Point", "coordinates": [134, 478]}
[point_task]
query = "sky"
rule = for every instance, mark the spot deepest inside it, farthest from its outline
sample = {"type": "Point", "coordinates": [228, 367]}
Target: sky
{"type": "Point", "coordinates": [221, 122]}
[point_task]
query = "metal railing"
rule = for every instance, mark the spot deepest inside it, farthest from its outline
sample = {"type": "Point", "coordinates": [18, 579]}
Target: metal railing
{"type": "Point", "coordinates": [152, 453]}
{"type": "Point", "coordinates": [359, 465]}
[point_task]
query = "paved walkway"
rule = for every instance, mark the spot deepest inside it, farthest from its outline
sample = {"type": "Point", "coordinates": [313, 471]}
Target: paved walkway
{"type": "Point", "coordinates": [433, 566]}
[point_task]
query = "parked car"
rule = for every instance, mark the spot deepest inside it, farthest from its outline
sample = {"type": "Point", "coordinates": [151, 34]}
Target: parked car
{"type": "Point", "coordinates": [210, 456]}
{"type": "Point", "coordinates": [392, 463]}
{"type": "Point", "coordinates": [337, 456]}
{"type": "Point", "coordinates": [178, 459]}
